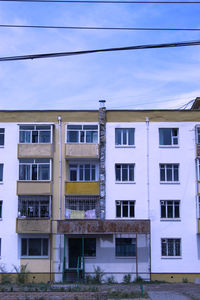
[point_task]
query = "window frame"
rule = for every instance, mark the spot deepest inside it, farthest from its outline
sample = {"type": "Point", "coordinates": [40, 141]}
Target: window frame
{"type": "Point", "coordinates": [120, 204]}
{"type": "Point", "coordinates": [173, 137]}
{"type": "Point", "coordinates": [1, 169]}
{"type": "Point", "coordinates": [167, 241]}
{"type": "Point", "coordinates": [27, 238]}
{"type": "Point", "coordinates": [167, 205]}
{"type": "Point", "coordinates": [127, 133]}
{"type": "Point", "coordinates": [2, 133]}
{"type": "Point", "coordinates": [121, 173]}
{"type": "Point", "coordinates": [173, 173]}
{"type": "Point", "coordinates": [197, 134]}
{"type": "Point", "coordinates": [77, 167]}
{"type": "Point", "coordinates": [38, 130]}
{"type": "Point", "coordinates": [126, 256]}
{"type": "Point", "coordinates": [82, 129]}
{"type": "Point", "coordinates": [31, 168]}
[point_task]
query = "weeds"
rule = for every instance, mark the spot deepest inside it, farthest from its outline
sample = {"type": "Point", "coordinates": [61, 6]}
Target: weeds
{"type": "Point", "coordinates": [22, 273]}
{"type": "Point", "coordinates": [127, 278]}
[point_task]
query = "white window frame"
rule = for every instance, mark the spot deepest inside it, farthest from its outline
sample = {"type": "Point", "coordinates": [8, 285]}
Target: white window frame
{"type": "Point", "coordinates": [173, 170]}
{"type": "Point", "coordinates": [80, 130]}
{"type": "Point", "coordinates": [128, 172]}
{"type": "Point", "coordinates": [36, 163]}
{"type": "Point", "coordinates": [173, 137]}
{"type": "Point", "coordinates": [121, 204]}
{"type": "Point", "coordinates": [28, 237]}
{"type": "Point", "coordinates": [165, 203]}
{"type": "Point", "coordinates": [77, 168]}
{"type": "Point", "coordinates": [39, 130]}
{"type": "Point", "coordinates": [166, 240]}
{"type": "Point", "coordinates": [127, 132]}
{"type": "Point", "coordinates": [2, 132]}
{"type": "Point", "coordinates": [1, 181]}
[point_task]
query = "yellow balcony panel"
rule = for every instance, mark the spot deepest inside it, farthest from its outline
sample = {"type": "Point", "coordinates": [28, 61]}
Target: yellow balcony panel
{"type": "Point", "coordinates": [34, 150]}
{"type": "Point", "coordinates": [26, 225]}
{"type": "Point", "coordinates": [82, 188]}
{"type": "Point", "coordinates": [34, 188]}
{"type": "Point", "coordinates": [82, 150]}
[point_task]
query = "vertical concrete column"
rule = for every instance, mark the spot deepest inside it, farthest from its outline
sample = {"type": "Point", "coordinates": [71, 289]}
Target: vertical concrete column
{"type": "Point", "coordinates": [102, 158]}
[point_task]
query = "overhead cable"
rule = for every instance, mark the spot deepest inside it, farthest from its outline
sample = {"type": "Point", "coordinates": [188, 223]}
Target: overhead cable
{"type": "Point", "coordinates": [104, 1]}
{"type": "Point", "coordinates": [73, 53]}
{"type": "Point", "coordinates": [97, 28]}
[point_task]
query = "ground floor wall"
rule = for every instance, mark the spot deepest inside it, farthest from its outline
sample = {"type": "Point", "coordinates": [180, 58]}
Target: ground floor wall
{"type": "Point", "coordinates": [175, 277]}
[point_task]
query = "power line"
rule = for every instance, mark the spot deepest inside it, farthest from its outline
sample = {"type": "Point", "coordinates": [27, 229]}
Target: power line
{"type": "Point", "coordinates": [104, 1]}
{"type": "Point", "coordinates": [73, 53]}
{"type": "Point", "coordinates": [97, 28]}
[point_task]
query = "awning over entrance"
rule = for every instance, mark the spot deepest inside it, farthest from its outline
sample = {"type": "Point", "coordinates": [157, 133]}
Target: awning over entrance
{"type": "Point", "coordinates": [102, 226]}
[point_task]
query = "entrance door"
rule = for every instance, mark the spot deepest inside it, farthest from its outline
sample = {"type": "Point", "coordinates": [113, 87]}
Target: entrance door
{"type": "Point", "coordinates": [75, 251]}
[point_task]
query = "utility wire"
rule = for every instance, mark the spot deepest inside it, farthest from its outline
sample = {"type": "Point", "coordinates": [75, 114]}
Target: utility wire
{"type": "Point", "coordinates": [60, 54]}
{"type": "Point", "coordinates": [97, 28]}
{"type": "Point", "coordinates": [105, 1]}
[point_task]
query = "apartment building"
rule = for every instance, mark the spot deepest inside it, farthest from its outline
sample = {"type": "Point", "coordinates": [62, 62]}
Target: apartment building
{"type": "Point", "coordinates": [112, 189]}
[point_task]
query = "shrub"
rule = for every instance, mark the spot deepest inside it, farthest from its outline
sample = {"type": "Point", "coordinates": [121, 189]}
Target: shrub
{"type": "Point", "coordinates": [22, 273]}
{"type": "Point", "coordinates": [98, 277]}
{"type": "Point", "coordinates": [127, 278]}
{"type": "Point", "coordinates": [110, 280]}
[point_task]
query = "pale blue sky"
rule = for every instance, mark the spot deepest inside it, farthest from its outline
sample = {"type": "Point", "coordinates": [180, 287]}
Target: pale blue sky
{"type": "Point", "coordinates": [160, 78]}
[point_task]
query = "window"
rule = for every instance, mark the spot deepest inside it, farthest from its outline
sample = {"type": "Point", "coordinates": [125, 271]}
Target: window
{"type": "Point", "coordinates": [125, 247]}
{"type": "Point", "coordinates": [168, 136]}
{"type": "Point", "coordinates": [124, 136]}
{"type": "Point", "coordinates": [1, 172]}
{"type": "Point", "coordinates": [34, 169]}
{"type": "Point", "coordinates": [82, 133]}
{"type": "Point", "coordinates": [170, 209]}
{"type": "Point", "coordinates": [169, 172]}
{"type": "Point", "coordinates": [1, 205]}
{"type": "Point", "coordinates": [81, 207]}
{"type": "Point", "coordinates": [34, 247]}
{"type": "Point", "coordinates": [90, 247]}
{"type": "Point", "coordinates": [171, 247]}
{"type": "Point", "coordinates": [83, 172]}
{"type": "Point", "coordinates": [34, 206]}
{"type": "Point", "coordinates": [125, 209]}
{"type": "Point", "coordinates": [124, 172]}
{"type": "Point", "coordinates": [35, 134]}
{"type": "Point", "coordinates": [2, 136]}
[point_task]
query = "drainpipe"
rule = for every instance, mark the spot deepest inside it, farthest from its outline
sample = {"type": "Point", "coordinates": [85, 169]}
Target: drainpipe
{"type": "Point", "coordinates": [60, 181]}
{"type": "Point", "coordinates": [148, 193]}
{"type": "Point", "coordinates": [102, 157]}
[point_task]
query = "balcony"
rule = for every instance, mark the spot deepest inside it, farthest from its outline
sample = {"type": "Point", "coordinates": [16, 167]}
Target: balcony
{"type": "Point", "coordinates": [82, 188]}
{"type": "Point", "coordinates": [82, 150]}
{"type": "Point", "coordinates": [35, 151]}
{"type": "Point", "coordinates": [33, 225]}
{"type": "Point", "coordinates": [34, 188]}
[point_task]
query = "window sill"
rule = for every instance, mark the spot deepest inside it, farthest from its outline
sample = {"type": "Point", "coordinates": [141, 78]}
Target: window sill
{"type": "Point", "coordinates": [125, 257]}
{"type": "Point", "coordinates": [34, 180]}
{"type": "Point", "coordinates": [124, 218]}
{"type": "Point", "coordinates": [126, 182]}
{"type": "Point", "coordinates": [34, 257]}
{"type": "Point", "coordinates": [2, 146]}
{"type": "Point", "coordinates": [169, 182]}
{"type": "Point", "coordinates": [171, 257]}
{"type": "Point", "coordinates": [169, 146]}
{"type": "Point", "coordinates": [1, 182]}
{"type": "Point", "coordinates": [124, 146]}
{"type": "Point", "coordinates": [170, 219]}
{"type": "Point", "coordinates": [35, 143]}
